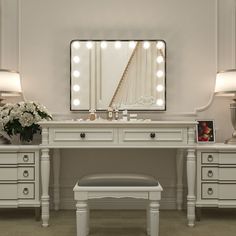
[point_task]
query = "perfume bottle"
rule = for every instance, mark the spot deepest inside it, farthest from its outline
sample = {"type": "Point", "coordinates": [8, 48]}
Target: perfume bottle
{"type": "Point", "coordinates": [92, 114]}
{"type": "Point", "coordinates": [116, 112]}
{"type": "Point", "coordinates": [109, 113]}
{"type": "Point", "coordinates": [125, 115]}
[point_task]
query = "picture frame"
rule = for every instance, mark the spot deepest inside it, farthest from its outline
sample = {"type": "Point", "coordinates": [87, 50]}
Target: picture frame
{"type": "Point", "coordinates": [205, 131]}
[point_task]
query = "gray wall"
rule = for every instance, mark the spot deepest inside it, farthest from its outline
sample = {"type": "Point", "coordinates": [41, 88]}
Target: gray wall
{"type": "Point", "coordinates": [200, 37]}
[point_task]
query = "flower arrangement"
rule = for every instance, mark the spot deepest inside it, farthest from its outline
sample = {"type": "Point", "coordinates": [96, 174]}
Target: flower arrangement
{"type": "Point", "coordinates": [22, 118]}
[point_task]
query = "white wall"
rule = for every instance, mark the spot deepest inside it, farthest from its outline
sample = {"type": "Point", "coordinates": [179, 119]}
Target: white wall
{"type": "Point", "coordinates": [200, 37]}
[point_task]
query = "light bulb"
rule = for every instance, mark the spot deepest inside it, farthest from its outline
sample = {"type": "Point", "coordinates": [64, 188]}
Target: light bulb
{"type": "Point", "coordinates": [76, 73]}
{"type": "Point", "coordinates": [89, 44]}
{"type": "Point", "coordinates": [160, 45]}
{"type": "Point", "coordinates": [76, 102]}
{"type": "Point", "coordinates": [160, 88]}
{"type": "Point", "coordinates": [76, 88]}
{"type": "Point", "coordinates": [160, 73]}
{"type": "Point", "coordinates": [76, 59]}
{"type": "Point", "coordinates": [146, 45]}
{"type": "Point", "coordinates": [76, 45]}
{"type": "Point", "coordinates": [103, 44]}
{"type": "Point", "coordinates": [132, 44]}
{"type": "Point", "coordinates": [117, 44]}
{"type": "Point", "coordinates": [160, 59]}
{"type": "Point", "coordinates": [159, 102]}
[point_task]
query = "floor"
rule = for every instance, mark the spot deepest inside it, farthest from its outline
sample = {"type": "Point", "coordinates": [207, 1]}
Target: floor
{"type": "Point", "coordinates": [118, 223]}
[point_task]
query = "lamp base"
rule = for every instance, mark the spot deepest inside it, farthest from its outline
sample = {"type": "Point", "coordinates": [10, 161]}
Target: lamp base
{"type": "Point", "coordinates": [231, 141]}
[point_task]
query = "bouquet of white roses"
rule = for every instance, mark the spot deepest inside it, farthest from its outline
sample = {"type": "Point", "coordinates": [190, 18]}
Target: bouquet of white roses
{"type": "Point", "coordinates": [22, 118]}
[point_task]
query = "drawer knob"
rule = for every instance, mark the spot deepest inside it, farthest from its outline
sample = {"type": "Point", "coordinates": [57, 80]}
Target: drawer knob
{"type": "Point", "coordinates": [82, 135]}
{"type": "Point", "coordinates": [25, 158]}
{"type": "Point", "coordinates": [210, 173]}
{"type": "Point", "coordinates": [26, 173]}
{"type": "Point", "coordinates": [152, 135]}
{"type": "Point", "coordinates": [25, 191]}
{"type": "Point", "coordinates": [210, 191]}
{"type": "Point", "coordinates": [210, 158]}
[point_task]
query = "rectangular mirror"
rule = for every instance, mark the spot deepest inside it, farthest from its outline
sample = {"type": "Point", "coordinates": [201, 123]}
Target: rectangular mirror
{"type": "Point", "coordinates": [123, 74]}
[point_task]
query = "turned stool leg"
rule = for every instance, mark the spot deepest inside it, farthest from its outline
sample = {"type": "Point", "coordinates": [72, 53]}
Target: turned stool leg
{"type": "Point", "coordinates": [148, 219]}
{"type": "Point", "coordinates": [154, 218]}
{"type": "Point", "coordinates": [81, 217]}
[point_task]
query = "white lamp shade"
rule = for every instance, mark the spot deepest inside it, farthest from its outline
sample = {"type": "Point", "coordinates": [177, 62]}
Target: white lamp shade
{"type": "Point", "coordinates": [225, 82]}
{"type": "Point", "coordinates": [10, 82]}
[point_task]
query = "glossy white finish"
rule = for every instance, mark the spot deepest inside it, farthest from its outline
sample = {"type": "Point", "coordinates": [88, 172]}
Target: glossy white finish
{"type": "Point", "coordinates": [45, 173]}
{"type": "Point", "coordinates": [119, 134]}
{"type": "Point", "coordinates": [19, 176]}
{"type": "Point", "coordinates": [216, 176]}
{"type": "Point", "coordinates": [191, 198]}
{"type": "Point", "coordinates": [151, 193]}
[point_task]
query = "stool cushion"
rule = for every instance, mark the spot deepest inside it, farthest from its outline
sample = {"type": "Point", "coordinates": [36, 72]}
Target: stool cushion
{"type": "Point", "coordinates": [117, 180]}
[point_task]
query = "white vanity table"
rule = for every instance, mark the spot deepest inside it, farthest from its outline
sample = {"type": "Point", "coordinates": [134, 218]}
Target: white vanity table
{"type": "Point", "coordinates": [179, 135]}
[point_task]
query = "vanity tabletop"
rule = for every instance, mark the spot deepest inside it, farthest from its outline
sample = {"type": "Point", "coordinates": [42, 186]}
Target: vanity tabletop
{"type": "Point", "coordinates": [117, 123]}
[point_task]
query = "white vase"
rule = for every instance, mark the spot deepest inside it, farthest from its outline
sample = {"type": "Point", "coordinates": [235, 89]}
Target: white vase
{"type": "Point", "coordinates": [15, 139]}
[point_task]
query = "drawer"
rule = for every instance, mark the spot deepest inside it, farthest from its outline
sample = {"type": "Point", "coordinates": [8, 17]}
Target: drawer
{"type": "Point", "coordinates": [221, 191]}
{"type": "Point", "coordinates": [8, 173]}
{"type": "Point", "coordinates": [227, 173]}
{"type": "Point", "coordinates": [26, 191]}
{"type": "Point", "coordinates": [210, 157]}
{"type": "Point", "coordinates": [89, 136]}
{"type": "Point", "coordinates": [26, 173]}
{"type": "Point", "coordinates": [227, 158]}
{"type": "Point", "coordinates": [154, 136]}
{"type": "Point", "coordinates": [26, 158]}
{"type": "Point", "coordinates": [209, 191]}
{"type": "Point", "coordinates": [8, 191]}
{"type": "Point", "coordinates": [209, 173]}
{"type": "Point", "coordinates": [8, 158]}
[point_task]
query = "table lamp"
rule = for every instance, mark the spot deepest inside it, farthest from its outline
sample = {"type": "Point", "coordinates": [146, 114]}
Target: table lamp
{"type": "Point", "coordinates": [226, 86]}
{"type": "Point", "coordinates": [10, 84]}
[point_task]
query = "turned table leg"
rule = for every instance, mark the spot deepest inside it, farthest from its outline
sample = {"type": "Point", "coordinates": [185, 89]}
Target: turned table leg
{"type": "Point", "coordinates": [45, 172]}
{"type": "Point", "coordinates": [191, 175]}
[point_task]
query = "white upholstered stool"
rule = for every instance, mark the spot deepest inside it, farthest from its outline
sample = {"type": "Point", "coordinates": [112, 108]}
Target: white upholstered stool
{"type": "Point", "coordinates": [117, 186]}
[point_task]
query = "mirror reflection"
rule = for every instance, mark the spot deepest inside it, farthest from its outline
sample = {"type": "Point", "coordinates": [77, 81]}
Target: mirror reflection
{"type": "Point", "coordinates": [119, 74]}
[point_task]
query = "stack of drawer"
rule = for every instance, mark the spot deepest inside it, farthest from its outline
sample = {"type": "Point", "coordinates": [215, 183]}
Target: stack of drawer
{"type": "Point", "coordinates": [19, 176]}
{"type": "Point", "coordinates": [216, 179]}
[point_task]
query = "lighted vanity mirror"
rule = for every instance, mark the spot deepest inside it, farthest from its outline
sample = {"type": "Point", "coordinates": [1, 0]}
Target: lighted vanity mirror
{"type": "Point", "coordinates": [123, 74]}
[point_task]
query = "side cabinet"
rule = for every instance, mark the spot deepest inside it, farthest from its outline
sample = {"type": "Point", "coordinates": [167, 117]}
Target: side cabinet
{"type": "Point", "coordinates": [19, 177]}
{"type": "Point", "coordinates": [216, 179]}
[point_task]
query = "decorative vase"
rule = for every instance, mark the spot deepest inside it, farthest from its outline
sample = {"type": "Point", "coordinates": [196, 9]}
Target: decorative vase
{"type": "Point", "coordinates": [15, 140]}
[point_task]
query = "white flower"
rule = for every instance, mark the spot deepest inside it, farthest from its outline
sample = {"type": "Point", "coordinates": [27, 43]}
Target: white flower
{"type": "Point", "coordinates": [26, 119]}
{"type": "Point", "coordinates": [5, 120]}
{"type": "Point", "coordinates": [30, 107]}
{"type": "Point", "coordinates": [15, 117]}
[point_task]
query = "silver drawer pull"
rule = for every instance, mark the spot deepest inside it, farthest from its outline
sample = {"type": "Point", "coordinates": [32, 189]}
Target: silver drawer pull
{"type": "Point", "coordinates": [25, 158]}
{"type": "Point", "coordinates": [25, 191]}
{"type": "Point", "coordinates": [152, 135]}
{"type": "Point", "coordinates": [210, 191]}
{"type": "Point", "coordinates": [210, 173]}
{"type": "Point", "coordinates": [210, 158]}
{"type": "Point", "coordinates": [26, 173]}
